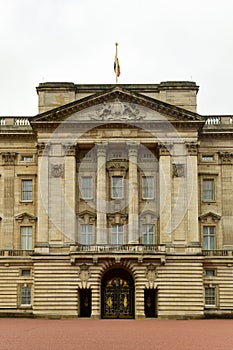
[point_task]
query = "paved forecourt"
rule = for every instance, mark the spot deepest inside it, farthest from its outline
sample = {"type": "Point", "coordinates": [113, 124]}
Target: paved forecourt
{"type": "Point", "coordinates": [38, 334]}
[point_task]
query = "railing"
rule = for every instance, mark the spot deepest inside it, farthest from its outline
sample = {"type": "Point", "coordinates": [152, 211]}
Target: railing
{"type": "Point", "coordinates": [217, 252]}
{"type": "Point", "coordinates": [108, 248]}
{"type": "Point", "coordinates": [14, 121]}
{"type": "Point", "coordinates": [16, 252]}
{"type": "Point", "coordinates": [219, 121]}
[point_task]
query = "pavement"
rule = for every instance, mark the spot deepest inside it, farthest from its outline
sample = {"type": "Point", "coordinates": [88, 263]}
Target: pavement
{"type": "Point", "coordinates": [86, 334]}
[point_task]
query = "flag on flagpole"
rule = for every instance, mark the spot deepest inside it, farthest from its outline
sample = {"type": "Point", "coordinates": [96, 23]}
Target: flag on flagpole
{"type": "Point", "coordinates": [117, 65]}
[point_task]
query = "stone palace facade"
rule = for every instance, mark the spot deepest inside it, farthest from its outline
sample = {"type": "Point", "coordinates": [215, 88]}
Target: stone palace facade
{"type": "Point", "coordinates": [116, 202]}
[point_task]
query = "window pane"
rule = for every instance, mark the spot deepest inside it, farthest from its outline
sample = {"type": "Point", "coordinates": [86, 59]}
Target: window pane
{"type": "Point", "coordinates": [86, 234]}
{"type": "Point", "coordinates": [26, 237]}
{"type": "Point", "coordinates": [117, 187]}
{"type": "Point", "coordinates": [208, 190]}
{"type": "Point", "coordinates": [210, 296]}
{"type": "Point", "coordinates": [148, 187]}
{"type": "Point", "coordinates": [117, 234]}
{"type": "Point", "coordinates": [25, 296]}
{"type": "Point", "coordinates": [147, 234]}
{"type": "Point", "coordinates": [26, 194]}
{"type": "Point", "coordinates": [87, 187]}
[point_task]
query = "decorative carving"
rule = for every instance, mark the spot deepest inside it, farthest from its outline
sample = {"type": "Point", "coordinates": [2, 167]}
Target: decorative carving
{"type": "Point", "coordinates": [56, 170]}
{"type": "Point", "coordinates": [192, 148]}
{"type": "Point", "coordinates": [151, 275]}
{"type": "Point", "coordinates": [227, 157]}
{"type": "Point", "coordinates": [178, 170]}
{"type": "Point", "coordinates": [117, 110]}
{"type": "Point", "coordinates": [9, 158]}
{"type": "Point", "coordinates": [25, 215]}
{"type": "Point", "coordinates": [209, 217]}
{"type": "Point", "coordinates": [84, 275]}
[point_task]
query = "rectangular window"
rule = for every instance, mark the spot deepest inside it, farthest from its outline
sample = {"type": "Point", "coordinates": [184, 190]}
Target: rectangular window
{"type": "Point", "coordinates": [26, 237]}
{"type": "Point", "coordinates": [210, 296]}
{"type": "Point", "coordinates": [87, 187]}
{"type": "Point", "coordinates": [207, 158]}
{"type": "Point", "coordinates": [26, 190]}
{"type": "Point", "coordinates": [208, 190]}
{"type": "Point", "coordinates": [209, 237]}
{"type": "Point", "coordinates": [27, 158]}
{"type": "Point", "coordinates": [117, 234]}
{"type": "Point", "coordinates": [86, 234]}
{"type": "Point", "coordinates": [117, 187]}
{"type": "Point", "coordinates": [210, 272]}
{"type": "Point", "coordinates": [147, 234]}
{"type": "Point", "coordinates": [147, 187]}
{"type": "Point", "coordinates": [25, 296]}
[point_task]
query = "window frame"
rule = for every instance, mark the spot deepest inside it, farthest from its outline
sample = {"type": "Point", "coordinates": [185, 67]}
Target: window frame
{"type": "Point", "coordinates": [212, 190]}
{"type": "Point", "coordinates": [25, 191]}
{"type": "Point", "coordinates": [89, 190]}
{"type": "Point", "coordinates": [209, 236]}
{"type": "Point", "coordinates": [27, 236]}
{"type": "Point", "coordinates": [116, 187]}
{"type": "Point", "coordinates": [27, 287]}
{"type": "Point", "coordinates": [148, 187]}
{"type": "Point", "coordinates": [213, 297]}
{"type": "Point", "coordinates": [147, 233]}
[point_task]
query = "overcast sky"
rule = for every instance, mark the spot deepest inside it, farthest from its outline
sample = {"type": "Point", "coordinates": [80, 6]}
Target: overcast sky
{"type": "Point", "coordinates": [74, 40]}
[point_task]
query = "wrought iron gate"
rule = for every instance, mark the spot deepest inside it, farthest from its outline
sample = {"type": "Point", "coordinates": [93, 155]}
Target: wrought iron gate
{"type": "Point", "coordinates": [118, 299]}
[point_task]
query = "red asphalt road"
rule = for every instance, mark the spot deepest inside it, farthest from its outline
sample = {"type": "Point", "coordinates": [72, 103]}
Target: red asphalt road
{"type": "Point", "coordinates": [37, 334]}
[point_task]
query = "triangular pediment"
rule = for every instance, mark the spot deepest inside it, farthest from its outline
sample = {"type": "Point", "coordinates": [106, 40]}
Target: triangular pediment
{"type": "Point", "coordinates": [24, 216]}
{"type": "Point", "coordinates": [116, 105]}
{"type": "Point", "coordinates": [210, 216]}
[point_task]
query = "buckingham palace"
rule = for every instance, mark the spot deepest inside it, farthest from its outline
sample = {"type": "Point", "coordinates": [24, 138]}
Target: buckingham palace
{"type": "Point", "coordinates": [116, 202]}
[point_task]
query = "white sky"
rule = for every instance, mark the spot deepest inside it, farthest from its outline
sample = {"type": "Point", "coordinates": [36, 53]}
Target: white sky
{"type": "Point", "coordinates": [74, 40]}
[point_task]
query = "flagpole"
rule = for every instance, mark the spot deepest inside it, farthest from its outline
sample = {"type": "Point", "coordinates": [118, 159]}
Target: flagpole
{"type": "Point", "coordinates": [117, 65]}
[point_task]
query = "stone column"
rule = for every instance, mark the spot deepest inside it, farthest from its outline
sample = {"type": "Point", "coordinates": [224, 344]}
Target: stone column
{"type": "Point", "coordinates": [42, 239]}
{"type": "Point", "coordinates": [8, 212]}
{"type": "Point", "coordinates": [133, 234]}
{"type": "Point", "coordinates": [227, 200]}
{"type": "Point", "coordinates": [192, 193]}
{"type": "Point", "coordinates": [101, 198]}
{"type": "Point", "coordinates": [165, 196]}
{"type": "Point", "coordinates": [69, 214]}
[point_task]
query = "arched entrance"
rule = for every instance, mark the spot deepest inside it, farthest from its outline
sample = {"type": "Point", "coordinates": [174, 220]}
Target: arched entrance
{"type": "Point", "coordinates": [117, 294]}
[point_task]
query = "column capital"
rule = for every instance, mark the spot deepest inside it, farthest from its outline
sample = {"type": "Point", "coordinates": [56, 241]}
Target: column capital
{"type": "Point", "coordinates": [43, 148]}
{"type": "Point", "coordinates": [9, 158]}
{"type": "Point", "coordinates": [165, 148]}
{"type": "Point", "coordinates": [101, 148]}
{"type": "Point", "coordinates": [132, 148]}
{"type": "Point", "coordinates": [226, 157]}
{"type": "Point", "coordinates": [70, 149]}
{"type": "Point", "coordinates": [192, 148]}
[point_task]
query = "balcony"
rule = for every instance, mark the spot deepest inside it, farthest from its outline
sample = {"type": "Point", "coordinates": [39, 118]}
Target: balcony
{"type": "Point", "coordinates": [16, 252]}
{"type": "Point", "coordinates": [218, 252]}
{"type": "Point", "coordinates": [121, 248]}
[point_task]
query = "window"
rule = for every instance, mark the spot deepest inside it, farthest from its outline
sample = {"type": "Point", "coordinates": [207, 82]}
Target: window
{"type": "Point", "coordinates": [209, 237]}
{"type": "Point", "coordinates": [147, 234]}
{"type": "Point", "coordinates": [26, 237]}
{"type": "Point", "coordinates": [26, 191]}
{"type": "Point", "coordinates": [86, 234]}
{"type": "Point", "coordinates": [25, 273]}
{"type": "Point", "coordinates": [87, 187]}
{"type": "Point", "coordinates": [207, 158]}
{"type": "Point", "coordinates": [210, 296]}
{"type": "Point", "coordinates": [147, 155]}
{"type": "Point", "coordinates": [117, 155]}
{"type": "Point", "coordinates": [117, 187]}
{"type": "Point", "coordinates": [117, 234]}
{"type": "Point", "coordinates": [210, 272]}
{"type": "Point", "coordinates": [25, 296]}
{"type": "Point", "coordinates": [208, 190]}
{"type": "Point", "coordinates": [147, 187]}
{"type": "Point", "coordinates": [27, 158]}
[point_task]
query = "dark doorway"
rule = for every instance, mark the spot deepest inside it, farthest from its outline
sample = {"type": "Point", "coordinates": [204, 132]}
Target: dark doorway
{"type": "Point", "coordinates": [150, 302]}
{"type": "Point", "coordinates": [117, 294]}
{"type": "Point", "coordinates": [85, 302]}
